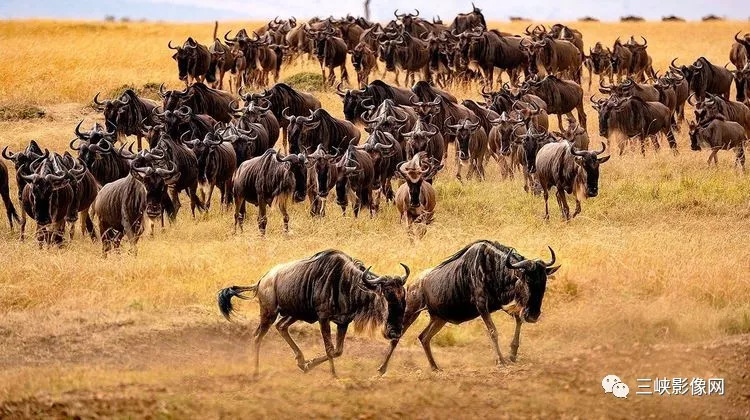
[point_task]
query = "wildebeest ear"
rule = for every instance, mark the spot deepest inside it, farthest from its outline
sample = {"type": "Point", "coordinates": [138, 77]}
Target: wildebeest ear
{"type": "Point", "coordinates": [174, 56]}
{"type": "Point", "coordinates": [604, 159]}
{"type": "Point", "coordinates": [552, 270]}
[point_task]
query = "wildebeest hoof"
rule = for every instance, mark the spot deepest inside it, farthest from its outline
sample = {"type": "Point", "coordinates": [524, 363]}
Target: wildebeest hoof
{"type": "Point", "coordinates": [513, 358]}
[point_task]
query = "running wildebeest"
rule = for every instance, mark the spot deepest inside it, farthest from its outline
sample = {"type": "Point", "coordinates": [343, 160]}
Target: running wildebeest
{"type": "Point", "coordinates": [416, 198]}
{"type": "Point", "coordinates": [328, 287]}
{"type": "Point", "coordinates": [193, 60]}
{"type": "Point", "coordinates": [478, 280]}
{"type": "Point", "coordinates": [126, 114]}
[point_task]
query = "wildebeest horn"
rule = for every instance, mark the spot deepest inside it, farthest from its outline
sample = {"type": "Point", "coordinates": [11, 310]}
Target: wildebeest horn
{"type": "Point", "coordinates": [78, 131]}
{"type": "Point", "coordinates": [233, 108]}
{"type": "Point", "coordinates": [554, 258]}
{"type": "Point", "coordinates": [645, 41]}
{"type": "Point", "coordinates": [521, 265]}
{"type": "Point", "coordinates": [339, 91]}
{"type": "Point", "coordinates": [8, 154]}
{"type": "Point", "coordinates": [126, 101]}
{"type": "Point", "coordinates": [162, 94]}
{"type": "Point", "coordinates": [171, 47]}
{"type": "Point", "coordinates": [604, 147]}
{"type": "Point", "coordinates": [406, 275]}
{"type": "Point", "coordinates": [71, 144]}
{"type": "Point", "coordinates": [96, 100]}
{"type": "Point", "coordinates": [286, 115]}
{"type": "Point", "coordinates": [698, 64]}
{"type": "Point", "coordinates": [689, 101]}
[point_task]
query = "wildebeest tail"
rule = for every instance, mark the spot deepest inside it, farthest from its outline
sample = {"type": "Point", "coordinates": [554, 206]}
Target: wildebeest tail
{"type": "Point", "coordinates": [225, 297]}
{"type": "Point", "coordinates": [10, 209]}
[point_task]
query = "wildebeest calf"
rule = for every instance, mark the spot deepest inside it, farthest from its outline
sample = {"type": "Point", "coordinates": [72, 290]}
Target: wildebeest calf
{"type": "Point", "coordinates": [719, 134]}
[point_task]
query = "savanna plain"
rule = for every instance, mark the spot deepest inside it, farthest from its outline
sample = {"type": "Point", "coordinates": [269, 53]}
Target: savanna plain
{"type": "Point", "coordinates": [654, 278]}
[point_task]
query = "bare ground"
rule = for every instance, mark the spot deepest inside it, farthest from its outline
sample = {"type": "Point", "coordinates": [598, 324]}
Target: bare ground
{"type": "Point", "coordinates": [193, 366]}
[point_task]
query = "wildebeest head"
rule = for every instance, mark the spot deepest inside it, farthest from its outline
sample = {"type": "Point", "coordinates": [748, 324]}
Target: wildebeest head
{"type": "Point", "coordinates": [173, 98]}
{"type": "Point", "coordinates": [391, 288]}
{"type": "Point", "coordinates": [113, 109]}
{"type": "Point", "coordinates": [22, 159]}
{"type": "Point", "coordinates": [601, 59]}
{"type": "Point", "coordinates": [696, 131]}
{"type": "Point", "coordinates": [426, 110]}
{"type": "Point", "coordinates": [388, 50]}
{"type": "Point", "coordinates": [155, 181]}
{"type": "Point", "coordinates": [463, 132]}
{"type": "Point", "coordinates": [358, 55]}
{"type": "Point", "coordinates": [604, 107]}
{"type": "Point", "coordinates": [415, 172]}
{"type": "Point", "coordinates": [92, 145]}
{"type": "Point", "coordinates": [532, 141]}
{"type": "Point", "coordinates": [46, 179]}
{"type": "Point", "coordinates": [296, 164]}
{"type": "Point", "coordinates": [418, 140]}
{"type": "Point", "coordinates": [323, 166]}
{"type": "Point", "coordinates": [531, 283]}
{"type": "Point", "coordinates": [590, 161]}
{"type": "Point", "coordinates": [299, 125]}
{"type": "Point", "coordinates": [185, 56]}
{"type": "Point", "coordinates": [352, 101]}
{"type": "Point", "coordinates": [203, 150]}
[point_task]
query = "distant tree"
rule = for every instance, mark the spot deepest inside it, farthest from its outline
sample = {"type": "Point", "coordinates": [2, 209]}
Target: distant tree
{"type": "Point", "coordinates": [109, 18]}
{"type": "Point", "coordinates": [367, 9]}
{"type": "Point", "coordinates": [124, 19]}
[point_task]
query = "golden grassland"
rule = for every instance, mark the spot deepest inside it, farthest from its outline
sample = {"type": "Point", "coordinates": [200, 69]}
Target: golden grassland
{"type": "Point", "coordinates": [660, 258]}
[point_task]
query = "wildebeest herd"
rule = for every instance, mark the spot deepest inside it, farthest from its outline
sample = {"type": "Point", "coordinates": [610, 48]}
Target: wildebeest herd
{"type": "Point", "coordinates": [202, 137]}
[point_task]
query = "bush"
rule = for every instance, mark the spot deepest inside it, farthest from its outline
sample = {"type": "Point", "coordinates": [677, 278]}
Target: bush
{"type": "Point", "coordinates": [306, 81]}
{"type": "Point", "coordinates": [149, 90]}
{"type": "Point", "coordinates": [12, 112]}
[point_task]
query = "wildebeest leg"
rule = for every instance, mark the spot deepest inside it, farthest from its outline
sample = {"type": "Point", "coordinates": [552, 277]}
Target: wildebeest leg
{"type": "Point", "coordinates": [207, 203]}
{"type": "Point", "coordinates": [266, 320]}
{"type": "Point", "coordinates": [173, 195]}
{"type": "Point", "coordinates": [325, 332]}
{"type": "Point", "coordinates": [283, 328]}
{"type": "Point", "coordinates": [563, 203]}
{"type": "Point", "coordinates": [578, 207]}
{"type": "Point", "coordinates": [740, 156]}
{"type": "Point", "coordinates": [492, 331]}
{"type": "Point", "coordinates": [546, 203]}
{"type": "Point", "coordinates": [284, 214]}
{"type": "Point", "coordinates": [559, 121]}
{"type": "Point", "coordinates": [458, 164]}
{"type": "Point", "coordinates": [516, 339]}
{"type": "Point", "coordinates": [435, 325]}
{"type": "Point", "coordinates": [194, 200]}
{"type": "Point", "coordinates": [262, 216]}
{"type": "Point", "coordinates": [409, 317]}
{"type": "Point", "coordinates": [655, 141]}
{"type": "Point", "coordinates": [239, 212]}
{"type": "Point", "coordinates": [340, 336]}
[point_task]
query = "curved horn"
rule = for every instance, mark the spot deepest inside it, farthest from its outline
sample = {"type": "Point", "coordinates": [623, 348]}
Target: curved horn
{"type": "Point", "coordinates": [406, 273]}
{"type": "Point", "coordinates": [171, 47]}
{"type": "Point", "coordinates": [96, 100]}
{"type": "Point", "coordinates": [8, 154]}
{"type": "Point", "coordinates": [554, 257]}
{"type": "Point", "coordinates": [604, 147]}
{"type": "Point", "coordinates": [78, 131]}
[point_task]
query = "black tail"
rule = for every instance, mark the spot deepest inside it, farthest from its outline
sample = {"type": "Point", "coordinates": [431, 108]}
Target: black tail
{"type": "Point", "coordinates": [225, 297]}
{"type": "Point", "coordinates": [10, 209]}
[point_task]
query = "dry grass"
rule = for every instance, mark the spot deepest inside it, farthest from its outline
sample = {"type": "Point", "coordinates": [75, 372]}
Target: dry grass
{"type": "Point", "coordinates": [661, 256]}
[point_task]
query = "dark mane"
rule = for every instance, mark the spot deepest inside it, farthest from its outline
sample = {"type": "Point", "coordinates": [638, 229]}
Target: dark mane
{"type": "Point", "coordinates": [516, 256]}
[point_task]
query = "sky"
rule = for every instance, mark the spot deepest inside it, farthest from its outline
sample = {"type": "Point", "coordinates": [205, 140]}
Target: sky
{"type": "Point", "coordinates": [207, 10]}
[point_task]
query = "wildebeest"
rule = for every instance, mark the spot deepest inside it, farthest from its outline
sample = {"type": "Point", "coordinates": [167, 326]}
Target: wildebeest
{"type": "Point", "coordinates": [416, 198]}
{"type": "Point", "coordinates": [406, 53]}
{"type": "Point", "coordinates": [254, 113]}
{"type": "Point", "coordinates": [355, 174]}
{"type": "Point", "coordinates": [364, 62]}
{"type": "Point", "coordinates": [468, 21]}
{"type": "Point", "coordinates": [599, 62]}
{"type": "Point", "coordinates": [328, 287]}
{"type": "Point", "coordinates": [390, 118]}
{"type": "Point", "coordinates": [622, 59]}
{"type": "Point", "coordinates": [570, 171]}
{"type": "Point", "coordinates": [265, 179]}
{"type": "Point", "coordinates": [46, 198]}
{"type": "Point", "coordinates": [471, 147]}
{"type": "Point", "coordinates": [576, 135]}
{"type": "Point", "coordinates": [739, 55]}
{"type": "Point", "coordinates": [186, 162]}
{"type": "Point", "coordinates": [742, 78]}
{"type": "Point", "coordinates": [222, 61]}
{"type": "Point", "coordinates": [561, 96]}
{"type": "Point", "coordinates": [201, 99]}
{"type": "Point", "coordinates": [280, 97]}
{"type": "Point", "coordinates": [553, 56]}
{"type": "Point", "coordinates": [126, 113]}
{"type": "Point", "coordinates": [193, 60]}
{"type": "Point", "coordinates": [425, 137]}
{"type": "Point", "coordinates": [319, 127]}
{"type": "Point", "coordinates": [478, 280]}
{"type": "Point", "coordinates": [719, 134]}
{"type": "Point", "coordinates": [330, 51]}
{"type": "Point", "coordinates": [632, 116]}
{"type": "Point", "coordinates": [641, 64]}
{"type": "Point", "coordinates": [176, 123]}
{"type": "Point", "coordinates": [131, 205]}
{"type": "Point", "coordinates": [216, 164]}
{"type": "Point", "coordinates": [84, 187]}
{"type": "Point", "coordinates": [704, 77]}
{"type": "Point", "coordinates": [10, 209]}
{"type": "Point", "coordinates": [22, 164]}
{"type": "Point", "coordinates": [715, 106]}
{"type": "Point", "coordinates": [322, 174]}
{"type": "Point", "coordinates": [375, 94]}
{"type": "Point", "coordinates": [489, 49]}
{"type": "Point", "coordinates": [97, 151]}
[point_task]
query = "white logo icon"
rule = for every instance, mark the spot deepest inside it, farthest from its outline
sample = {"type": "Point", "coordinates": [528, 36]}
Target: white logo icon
{"type": "Point", "coordinates": [620, 390]}
{"type": "Point", "coordinates": [614, 385]}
